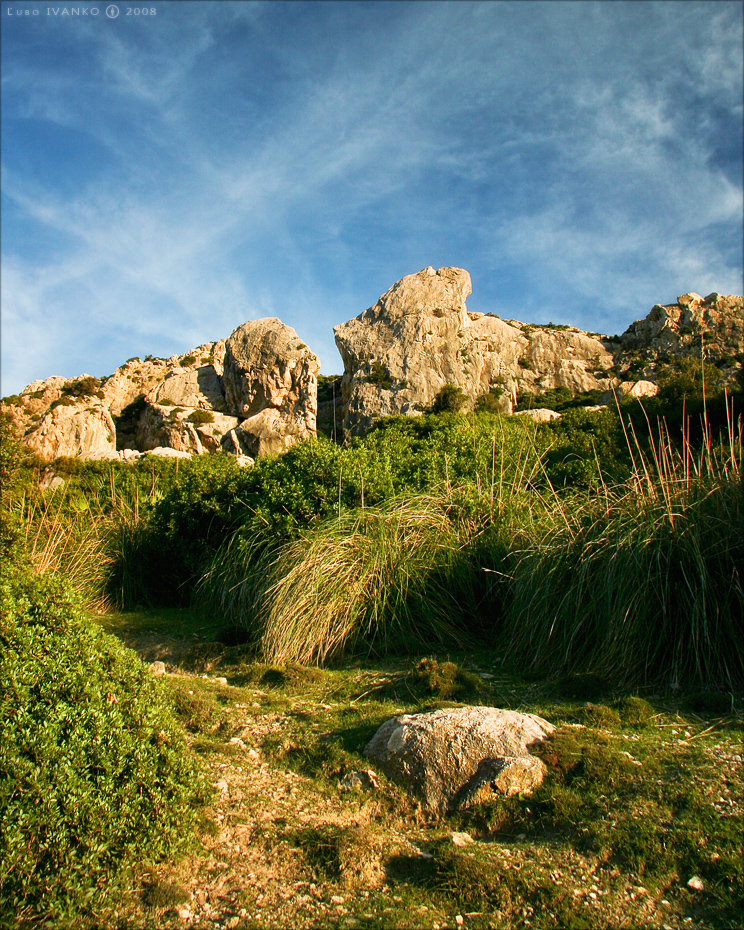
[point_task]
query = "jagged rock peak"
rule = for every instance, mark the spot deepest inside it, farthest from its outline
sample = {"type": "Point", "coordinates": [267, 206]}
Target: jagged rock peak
{"type": "Point", "coordinates": [715, 322]}
{"type": "Point", "coordinates": [419, 337]}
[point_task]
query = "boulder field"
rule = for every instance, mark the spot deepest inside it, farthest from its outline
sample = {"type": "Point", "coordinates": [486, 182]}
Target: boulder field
{"type": "Point", "coordinates": [256, 392]}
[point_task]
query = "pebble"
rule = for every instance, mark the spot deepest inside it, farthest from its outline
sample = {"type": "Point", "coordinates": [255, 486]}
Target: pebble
{"type": "Point", "coordinates": [157, 668]}
{"type": "Point", "coordinates": [696, 883]}
{"type": "Point", "coordinates": [461, 839]}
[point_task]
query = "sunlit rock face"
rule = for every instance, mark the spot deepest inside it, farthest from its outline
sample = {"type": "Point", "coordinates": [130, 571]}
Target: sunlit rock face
{"type": "Point", "coordinates": [420, 336]}
{"type": "Point", "coordinates": [693, 327]}
{"type": "Point", "coordinates": [81, 428]}
{"type": "Point", "coordinates": [256, 392]}
{"type": "Point", "coordinates": [270, 380]}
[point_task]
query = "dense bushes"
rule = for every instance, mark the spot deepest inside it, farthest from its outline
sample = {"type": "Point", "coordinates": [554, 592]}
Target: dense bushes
{"type": "Point", "coordinates": [212, 500]}
{"type": "Point", "coordinates": [94, 772]}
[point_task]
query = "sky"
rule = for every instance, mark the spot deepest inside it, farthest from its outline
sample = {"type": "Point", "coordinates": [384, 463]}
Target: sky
{"type": "Point", "coordinates": [167, 177]}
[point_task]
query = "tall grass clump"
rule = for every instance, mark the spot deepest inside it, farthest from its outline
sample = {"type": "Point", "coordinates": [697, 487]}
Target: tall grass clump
{"type": "Point", "coordinates": [382, 579]}
{"type": "Point", "coordinates": [641, 583]}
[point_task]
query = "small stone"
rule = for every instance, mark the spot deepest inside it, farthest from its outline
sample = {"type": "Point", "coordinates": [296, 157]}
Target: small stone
{"type": "Point", "coordinates": [221, 681]}
{"type": "Point", "coordinates": [184, 913]}
{"type": "Point", "coordinates": [157, 668]}
{"type": "Point", "coordinates": [696, 883]}
{"type": "Point", "coordinates": [337, 899]}
{"type": "Point", "coordinates": [521, 836]}
{"type": "Point", "coordinates": [461, 839]}
{"type": "Point", "coordinates": [459, 920]}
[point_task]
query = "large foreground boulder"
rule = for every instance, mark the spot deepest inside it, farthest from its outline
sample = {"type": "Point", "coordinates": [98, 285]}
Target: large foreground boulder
{"type": "Point", "coordinates": [455, 757]}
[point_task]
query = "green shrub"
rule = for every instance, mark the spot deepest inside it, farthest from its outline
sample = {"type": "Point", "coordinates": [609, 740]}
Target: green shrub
{"type": "Point", "coordinates": [95, 775]}
{"type": "Point", "coordinates": [380, 376]}
{"type": "Point", "coordinates": [449, 399]}
{"type": "Point", "coordinates": [684, 380]}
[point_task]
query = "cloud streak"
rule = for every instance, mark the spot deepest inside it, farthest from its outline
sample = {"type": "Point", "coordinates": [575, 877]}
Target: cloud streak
{"type": "Point", "coordinates": [296, 159]}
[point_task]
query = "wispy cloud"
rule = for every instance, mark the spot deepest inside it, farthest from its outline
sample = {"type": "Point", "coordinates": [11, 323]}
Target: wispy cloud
{"type": "Point", "coordinates": [289, 160]}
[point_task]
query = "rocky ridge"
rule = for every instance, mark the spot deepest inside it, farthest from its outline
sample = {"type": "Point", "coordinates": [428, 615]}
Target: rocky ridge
{"type": "Point", "coordinates": [256, 392]}
{"type": "Point", "coordinates": [179, 406]}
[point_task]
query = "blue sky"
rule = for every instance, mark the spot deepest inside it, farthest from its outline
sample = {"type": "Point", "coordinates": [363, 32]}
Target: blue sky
{"type": "Point", "coordinates": [167, 177]}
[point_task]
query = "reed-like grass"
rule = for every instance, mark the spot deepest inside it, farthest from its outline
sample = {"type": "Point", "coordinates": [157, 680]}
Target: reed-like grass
{"type": "Point", "coordinates": [383, 579]}
{"type": "Point", "coordinates": [65, 539]}
{"type": "Point", "coordinates": [643, 583]}
{"type": "Point", "coordinates": [89, 533]}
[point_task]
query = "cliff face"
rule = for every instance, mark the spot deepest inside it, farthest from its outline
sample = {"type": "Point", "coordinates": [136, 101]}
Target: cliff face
{"type": "Point", "coordinates": [256, 392]}
{"type": "Point", "coordinates": [420, 336]}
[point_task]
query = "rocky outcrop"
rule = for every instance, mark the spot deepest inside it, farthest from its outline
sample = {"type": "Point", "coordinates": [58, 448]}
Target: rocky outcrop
{"type": "Point", "coordinates": [270, 383]}
{"type": "Point", "coordinates": [256, 393]}
{"type": "Point", "coordinates": [190, 429]}
{"type": "Point", "coordinates": [420, 336]}
{"type": "Point", "coordinates": [713, 324]}
{"type": "Point", "coordinates": [452, 758]}
{"type": "Point", "coordinates": [178, 405]}
{"type": "Point", "coordinates": [80, 427]}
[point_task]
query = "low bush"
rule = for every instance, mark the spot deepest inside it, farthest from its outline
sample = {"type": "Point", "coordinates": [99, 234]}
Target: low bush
{"type": "Point", "coordinates": [450, 399]}
{"type": "Point", "coordinates": [200, 417]}
{"type": "Point", "coordinates": [95, 774]}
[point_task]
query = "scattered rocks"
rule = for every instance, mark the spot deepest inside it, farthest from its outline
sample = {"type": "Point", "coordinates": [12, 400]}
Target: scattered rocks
{"type": "Point", "coordinates": [455, 757]}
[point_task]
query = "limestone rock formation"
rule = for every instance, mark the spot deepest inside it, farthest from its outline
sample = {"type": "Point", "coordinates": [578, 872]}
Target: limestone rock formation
{"type": "Point", "coordinates": [455, 757]}
{"type": "Point", "coordinates": [270, 384]}
{"type": "Point", "coordinates": [196, 388]}
{"type": "Point", "coordinates": [538, 414]}
{"type": "Point", "coordinates": [714, 323]}
{"type": "Point", "coordinates": [73, 427]}
{"type": "Point", "coordinates": [256, 393]}
{"type": "Point", "coordinates": [191, 429]}
{"type": "Point", "coordinates": [420, 336]}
